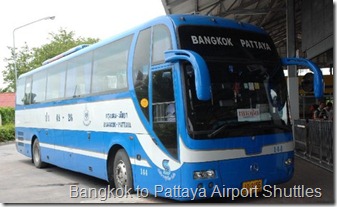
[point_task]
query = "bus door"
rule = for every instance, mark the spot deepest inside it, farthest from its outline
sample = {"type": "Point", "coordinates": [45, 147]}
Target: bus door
{"type": "Point", "coordinates": [164, 110]}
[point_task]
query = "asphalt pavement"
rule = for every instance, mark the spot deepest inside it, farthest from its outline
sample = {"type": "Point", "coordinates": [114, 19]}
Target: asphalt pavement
{"type": "Point", "coordinates": [21, 183]}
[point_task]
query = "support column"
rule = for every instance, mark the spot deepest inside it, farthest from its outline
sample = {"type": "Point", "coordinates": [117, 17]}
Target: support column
{"type": "Point", "coordinates": [291, 52]}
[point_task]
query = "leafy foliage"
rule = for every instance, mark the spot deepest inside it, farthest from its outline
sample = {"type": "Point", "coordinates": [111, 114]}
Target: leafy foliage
{"type": "Point", "coordinates": [7, 133]}
{"type": "Point", "coordinates": [7, 115]}
{"type": "Point", "coordinates": [24, 56]}
{"type": "Point", "coordinates": [28, 59]}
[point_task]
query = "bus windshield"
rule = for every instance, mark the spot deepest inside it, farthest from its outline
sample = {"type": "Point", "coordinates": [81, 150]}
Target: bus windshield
{"type": "Point", "coordinates": [248, 87]}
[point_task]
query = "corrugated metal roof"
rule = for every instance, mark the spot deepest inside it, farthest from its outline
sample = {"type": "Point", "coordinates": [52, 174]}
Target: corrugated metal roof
{"type": "Point", "coordinates": [269, 14]}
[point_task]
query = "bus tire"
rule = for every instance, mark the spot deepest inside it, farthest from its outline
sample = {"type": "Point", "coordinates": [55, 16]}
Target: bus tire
{"type": "Point", "coordinates": [36, 155]}
{"type": "Point", "coordinates": [122, 172]}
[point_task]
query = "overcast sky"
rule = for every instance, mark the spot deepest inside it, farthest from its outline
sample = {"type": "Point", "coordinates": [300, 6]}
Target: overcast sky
{"type": "Point", "coordinates": [96, 19]}
{"type": "Point", "coordinates": [87, 18]}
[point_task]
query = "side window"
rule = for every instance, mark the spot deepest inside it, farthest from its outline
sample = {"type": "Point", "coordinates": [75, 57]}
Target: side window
{"type": "Point", "coordinates": [161, 43]}
{"type": "Point", "coordinates": [110, 66]}
{"type": "Point", "coordinates": [163, 97]}
{"type": "Point", "coordinates": [20, 91]}
{"type": "Point", "coordinates": [39, 87]}
{"type": "Point", "coordinates": [79, 76]}
{"type": "Point", "coordinates": [140, 69]}
{"type": "Point", "coordinates": [28, 97]}
{"type": "Point", "coordinates": [164, 110]}
{"type": "Point", "coordinates": [56, 82]}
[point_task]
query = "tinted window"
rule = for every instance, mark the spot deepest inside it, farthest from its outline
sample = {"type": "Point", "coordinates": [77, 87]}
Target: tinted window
{"type": "Point", "coordinates": [110, 66]}
{"type": "Point", "coordinates": [79, 76]}
{"type": "Point", "coordinates": [39, 87]}
{"type": "Point", "coordinates": [28, 97]}
{"type": "Point", "coordinates": [161, 43]}
{"type": "Point", "coordinates": [140, 68]}
{"type": "Point", "coordinates": [56, 81]}
{"type": "Point", "coordinates": [163, 109]}
{"type": "Point", "coordinates": [20, 91]}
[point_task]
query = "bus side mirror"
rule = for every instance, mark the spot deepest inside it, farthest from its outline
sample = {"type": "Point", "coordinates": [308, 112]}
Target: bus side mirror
{"type": "Point", "coordinates": [318, 77]}
{"type": "Point", "coordinates": [202, 78]}
{"type": "Point", "coordinates": [307, 83]}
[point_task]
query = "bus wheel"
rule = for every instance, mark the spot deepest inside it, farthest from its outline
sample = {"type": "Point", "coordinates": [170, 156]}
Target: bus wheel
{"type": "Point", "coordinates": [122, 172]}
{"type": "Point", "coordinates": [37, 155]}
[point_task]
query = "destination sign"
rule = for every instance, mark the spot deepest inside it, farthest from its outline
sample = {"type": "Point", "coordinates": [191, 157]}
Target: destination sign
{"type": "Point", "coordinates": [221, 42]}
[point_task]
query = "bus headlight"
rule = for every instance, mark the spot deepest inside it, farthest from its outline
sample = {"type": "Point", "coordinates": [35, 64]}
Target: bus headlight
{"type": "Point", "coordinates": [288, 161]}
{"type": "Point", "coordinates": [203, 174]}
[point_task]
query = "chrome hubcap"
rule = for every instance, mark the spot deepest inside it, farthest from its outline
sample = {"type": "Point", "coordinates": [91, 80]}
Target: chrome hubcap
{"type": "Point", "coordinates": [36, 153]}
{"type": "Point", "coordinates": [120, 174]}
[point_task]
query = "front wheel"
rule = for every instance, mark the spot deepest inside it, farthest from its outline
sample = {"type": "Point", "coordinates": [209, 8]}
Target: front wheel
{"type": "Point", "coordinates": [37, 155]}
{"type": "Point", "coordinates": [122, 172]}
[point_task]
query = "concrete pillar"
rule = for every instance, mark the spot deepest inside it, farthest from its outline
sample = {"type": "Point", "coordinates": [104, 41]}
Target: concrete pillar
{"type": "Point", "coordinates": [291, 52]}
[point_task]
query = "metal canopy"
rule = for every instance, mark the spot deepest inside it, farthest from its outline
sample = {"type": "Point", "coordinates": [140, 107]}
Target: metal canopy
{"type": "Point", "coordinates": [269, 14]}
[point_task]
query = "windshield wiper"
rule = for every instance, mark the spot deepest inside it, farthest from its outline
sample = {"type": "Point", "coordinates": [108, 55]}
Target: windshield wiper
{"type": "Point", "coordinates": [277, 126]}
{"type": "Point", "coordinates": [257, 128]}
{"type": "Point", "coordinates": [227, 126]}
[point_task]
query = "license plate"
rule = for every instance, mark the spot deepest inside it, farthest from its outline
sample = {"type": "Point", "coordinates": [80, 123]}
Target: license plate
{"type": "Point", "coordinates": [253, 186]}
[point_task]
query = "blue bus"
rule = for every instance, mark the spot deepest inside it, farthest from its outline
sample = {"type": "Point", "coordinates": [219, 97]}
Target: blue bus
{"type": "Point", "coordinates": [178, 105]}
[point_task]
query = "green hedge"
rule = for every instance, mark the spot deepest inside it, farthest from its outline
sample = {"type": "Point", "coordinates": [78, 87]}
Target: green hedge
{"type": "Point", "coordinates": [7, 132]}
{"type": "Point", "coordinates": [7, 115]}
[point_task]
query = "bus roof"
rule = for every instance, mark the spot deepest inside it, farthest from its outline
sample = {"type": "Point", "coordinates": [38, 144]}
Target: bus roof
{"type": "Point", "coordinates": [174, 19]}
{"type": "Point", "coordinates": [181, 19]}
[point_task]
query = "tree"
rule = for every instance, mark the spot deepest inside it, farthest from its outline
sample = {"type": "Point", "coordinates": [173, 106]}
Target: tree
{"type": "Point", "coordinates": [24, 56]}
{"type": "Point", "coordinates": [29, 59]}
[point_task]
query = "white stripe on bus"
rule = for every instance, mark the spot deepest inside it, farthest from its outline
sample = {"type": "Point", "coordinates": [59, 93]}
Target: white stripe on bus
{"type": "Point", "coordinates": [194, 156]}
{"type": "Point", "coordinates": [104, 156]}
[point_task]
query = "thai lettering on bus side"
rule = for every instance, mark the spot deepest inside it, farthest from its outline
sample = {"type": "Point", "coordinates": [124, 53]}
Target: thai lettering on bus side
{"type": "Point", "coordinates": [115, 124]}
{"type": "Point", "coordinates": [59, 117]}
{"type": "Point", "coordinates": [70, 117]}
{"type": "Point", "coordinates": [47, 117]}
{"type": "Point", "coordinates": [121, 115]}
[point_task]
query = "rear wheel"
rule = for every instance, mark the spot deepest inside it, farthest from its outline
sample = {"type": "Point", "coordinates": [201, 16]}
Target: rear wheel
{"type": "Point", "coordinates": [37, 155]}
{"type": "Point", "coordinates": [122, 172]}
